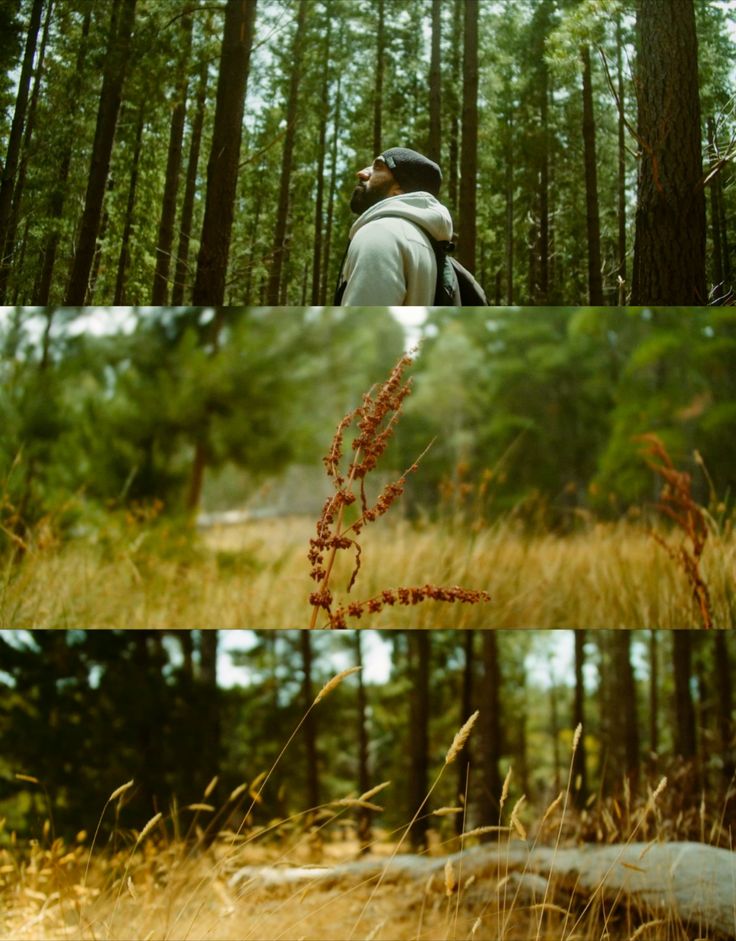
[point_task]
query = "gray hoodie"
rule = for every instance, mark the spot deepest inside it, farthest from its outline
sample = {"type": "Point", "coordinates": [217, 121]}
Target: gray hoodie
{"type": "Point", "coordinates": [390, 262]}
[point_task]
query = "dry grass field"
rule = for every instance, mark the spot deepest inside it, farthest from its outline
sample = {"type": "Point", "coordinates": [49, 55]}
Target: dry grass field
{"type": "Point", "coordinates": [256, 575]}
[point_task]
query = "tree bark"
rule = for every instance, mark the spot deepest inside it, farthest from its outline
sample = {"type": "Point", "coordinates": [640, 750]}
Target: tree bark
{"type": "Point", "coordinates": [116, 61]}
{"type": "Point", "coordinates": [592, 218]}
{"type": "Point", "coordinates": [469, 152]}
{"type": "Point", "coordinates": [222, 166]}
{"type": "Point", "coordinates": [8, 177]}
{"type": "Point", "coordinates": [165, 241]}
{"type": "Point", "coordinates": [669, 245]}
{"type": "Point", "coordinates": [724, 703]}
{"type": "Point", "coordinates": [627, 725]}
{"type": "Point", "coordinates": [273, 296]}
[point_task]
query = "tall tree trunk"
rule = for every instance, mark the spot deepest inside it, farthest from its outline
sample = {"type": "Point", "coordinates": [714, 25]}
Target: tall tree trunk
{"type": "Point", "coordinates": [653, 692]}
{"type": "Point", "coordinates": [364, 815]}
{"type": "Point", "coordinates": [466, 708]}
{"type": "Point", "coordinates": [455, 108]}
{"type": "Point", "coordinates": [669, 245]}
{"type": "Point", "coordinates": [310, 722]}
{"type": "Point", "coordinates": [621, 182]}
{"type": "Point", "coordinates": [378, 80]}
{"type": "Point", "coordinates": [434, 150]}
{"type": "Point", "coordinates": [627, 725]}
{"type": "Point", "coordinates": [321, 156]}
{"type": "Point", "coordinates": [116, 60]}
{"type": "Point", "coordinates": [58, 193]}
{"type": "Point", "coordinates": [165, 241]}
{"type": "Point", "coordinates": [419, 652]}
{"type": "Point", "coordinates": [331, 196]}
{"type": "Point", "coordinates": [222, 167]}
{"type": "Point", "coordinates": [8, 177]}
{"type": "Point", "coordinates": [509, 186]}
{"type": "Point", "coordinates": [593, 226]}
{"type": "Point", "coordinates": [580, 777]}
{"type": "Point", "coordinates": [124, 258]}
{"type": "Point", "coordinates": [12, 231]}
{"type": "Point", "coordinates": [210, 748]}
{"type": "Point", "coordinates": [724, 703]}
{"type": "Point", "coordinates": [469, 153]}
{"type": "Point", "coordinates": [190, 187]}
{"type": "Point", "coordinates": [489, 703]}
{"type": "Point", "coordinates": [685, 744]}
{"type": "Point", "coordinates": [273, 296]}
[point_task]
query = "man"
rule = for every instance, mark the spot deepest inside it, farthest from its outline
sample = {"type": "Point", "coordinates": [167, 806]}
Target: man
{"type": "Point", "coordinates": [390, 260]}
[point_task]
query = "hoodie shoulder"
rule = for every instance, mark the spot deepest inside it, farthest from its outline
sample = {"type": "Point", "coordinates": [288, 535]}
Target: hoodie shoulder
{"type": "Point", "coordinates": [420, 208]}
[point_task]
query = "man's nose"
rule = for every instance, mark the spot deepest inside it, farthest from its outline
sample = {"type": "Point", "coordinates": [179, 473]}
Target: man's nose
{"type": "Point", "coordinates": [364, 174]}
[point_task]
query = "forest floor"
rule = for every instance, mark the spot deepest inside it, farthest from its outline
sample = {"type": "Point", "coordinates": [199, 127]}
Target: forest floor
{"type": "Point", "coordinates": [256, 575]}
{"type": "Point", "coordinates": [163, 891]}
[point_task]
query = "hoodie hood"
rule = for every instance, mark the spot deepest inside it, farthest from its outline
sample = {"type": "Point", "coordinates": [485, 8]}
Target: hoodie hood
{"type": "Point", "coordinates": [421, 208]}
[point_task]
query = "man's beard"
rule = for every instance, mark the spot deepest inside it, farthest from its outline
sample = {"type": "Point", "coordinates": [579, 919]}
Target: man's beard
{"type": "Point", "coordinates": [364, 198]}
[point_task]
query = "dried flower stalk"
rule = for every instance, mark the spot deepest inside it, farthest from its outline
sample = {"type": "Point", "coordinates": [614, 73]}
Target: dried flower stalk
{"type": "Point", "coordinates": [376, 418]}
{"type": "Point", "coordinates": [676, 502]}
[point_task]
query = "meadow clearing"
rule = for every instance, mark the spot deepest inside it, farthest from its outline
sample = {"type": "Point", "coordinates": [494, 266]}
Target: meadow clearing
{"type": "Point", "coordinates": [155, 575]}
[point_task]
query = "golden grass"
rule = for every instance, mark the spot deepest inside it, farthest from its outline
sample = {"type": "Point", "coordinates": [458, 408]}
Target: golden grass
{"type": "Point", "coordinates": [256, 575]}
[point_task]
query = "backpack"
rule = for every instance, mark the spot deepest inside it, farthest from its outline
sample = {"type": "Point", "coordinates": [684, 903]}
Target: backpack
{"type": "Point", "coordinates": [452, 277]}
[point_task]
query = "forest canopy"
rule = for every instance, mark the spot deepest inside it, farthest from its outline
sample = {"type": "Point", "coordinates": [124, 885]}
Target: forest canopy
{"type": "Point", "coordinates": [160, 152]}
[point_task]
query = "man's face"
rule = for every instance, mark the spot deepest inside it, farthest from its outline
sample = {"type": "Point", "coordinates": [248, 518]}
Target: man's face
{"type": "Point", "coordinates": [376, 182]}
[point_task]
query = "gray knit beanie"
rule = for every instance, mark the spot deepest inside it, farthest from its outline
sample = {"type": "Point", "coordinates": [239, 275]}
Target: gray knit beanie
{"type": "Point", "coordinates": [413, 171]}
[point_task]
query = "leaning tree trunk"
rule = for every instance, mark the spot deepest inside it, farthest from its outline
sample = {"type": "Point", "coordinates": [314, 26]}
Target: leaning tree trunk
{"type": "Point", "coordinates": [669, 244]}
{"type": "Point", "coordinates": [116, 61]}
{"type": "Point", "coordinates": [12, 155]}
{"type": "Point", "coordinates": [222, 167]}
{"type": "Point", "coordinates": [469, 152]}
{"type": "Point", "coordinates": [592, 219]}
{"type": "Point", "coordinates": [173, 166]}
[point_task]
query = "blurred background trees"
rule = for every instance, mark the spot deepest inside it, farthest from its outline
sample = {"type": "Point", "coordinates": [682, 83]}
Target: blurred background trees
{"type": "Point", "coordinates": [187, 410]}
{"type": "Point", "coordinates": [85, 711]}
